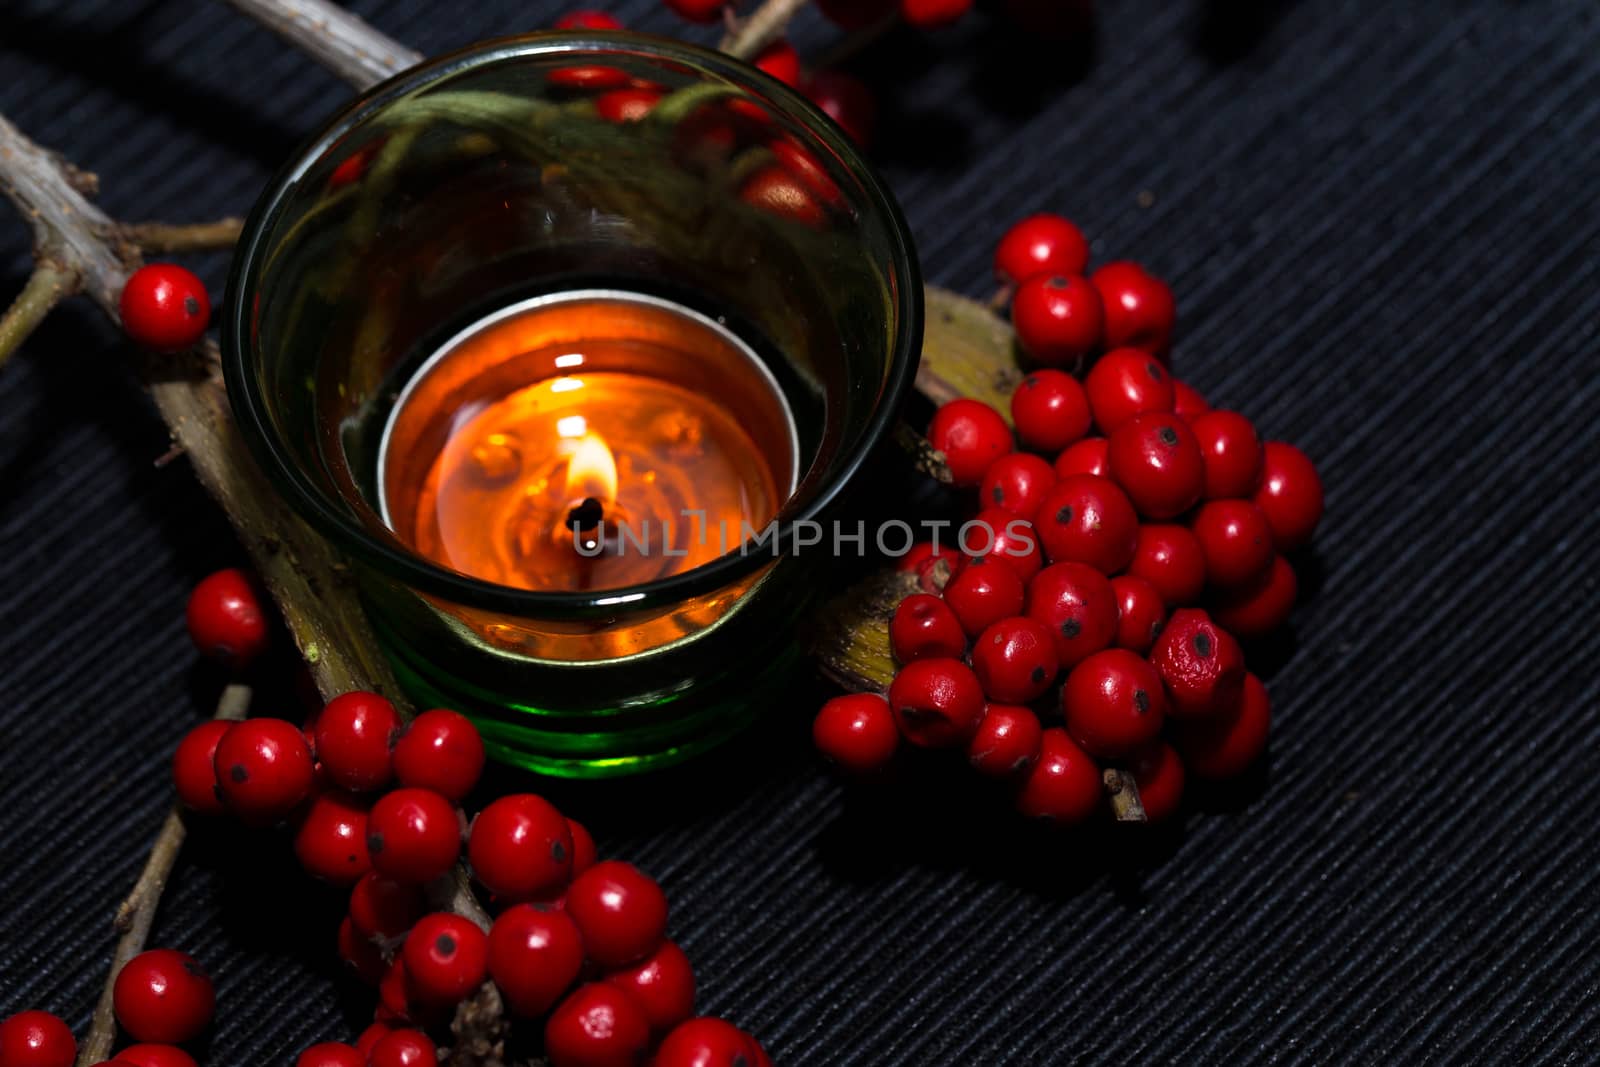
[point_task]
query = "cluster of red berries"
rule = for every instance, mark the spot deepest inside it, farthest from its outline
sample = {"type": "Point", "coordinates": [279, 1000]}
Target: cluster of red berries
{"type": "Point", "coordinates": [1114, 560]}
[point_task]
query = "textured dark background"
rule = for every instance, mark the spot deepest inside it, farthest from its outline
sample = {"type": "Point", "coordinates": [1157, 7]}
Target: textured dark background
{"type": "Point", "coordinates": [1381, 221]}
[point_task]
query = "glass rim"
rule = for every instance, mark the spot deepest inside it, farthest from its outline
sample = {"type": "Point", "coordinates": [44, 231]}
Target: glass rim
{"type": "Point", "coordinates": [424, 575]}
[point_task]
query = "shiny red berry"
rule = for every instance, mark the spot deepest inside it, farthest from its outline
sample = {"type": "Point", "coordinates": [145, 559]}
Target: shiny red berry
{"type": "Point", "coordinates": [1169, 558]}
{"type": "Point", "coordinates": [588, 77]}
{"type": "Point", "coordinates": [165, 307]}
{"type": "Point", "coordinates": [1016, 483]}
{"type": "Point", "coordinates": [330, 840]}
{"type": "Point", "coordinates": [360, 953]}
{"type": "Point", "coordinates": [597, 1025]}
{"type": "Point", "coordinates": [1235, 539]}
{"type": "Point", "coordinates": [535, 955]}
{"type": "Point", "coordinates": [923, 627]}
{"type": "Point", "coordinates": [845, 100]}
{"type": "Point", "coordinates": [194, 768]}
{"type": "Point", "coordinates": [1064, 786]}
{"type": "Point", "coordinates": [620, 911]}
{"type": "Point", "coordinates": [1139, 309]}
{"type": "Point", "coordinates": [371, 1036]}
{"type": "Point", "coordinates": [382, 907]}
{"type": "Point", "coordinates": [264, 769]}
{"type": "Point", "coordinates": [1228, 745]}
{"type": "Point", "coordinates": [1232, 453]}
{"type": "Point", "coordinates": [413, 835]}
{"type": "Point", "coordinates": [1257, 609]}
{"type": "Point", "coordinates": [972, 435]}
{"type": "Point", "coordinates": [1007, 742]}
{"type": "Point", "coordinates": [330, 1054]}
{"type": "Point", "coordinates": [225, 618]}
{"type": "Point", "coordinates": [780, 60]}
{"type": "Point", "coordinates": [1187, 401]}
{"type": "Point", "coordinates": [587, 20]}
{"type": "Point", "coordinates": [162, 996]}
{"type": "Point", "coordinates": [1057, 318]}
{"type": "Point", "coordinates": [447, 957]}
{"type": "Point", "coordinates": [925, 552]}
{"type": "Point", "coordinates": [937, 702]}
{"type": "Point", "coordinates": [1158, 775]}
{"type": "Point", "coordinates": [1040, 244]}
{"type": "Point", "coordinates": [355, 734]}
{"type": "Point", "coordinates": [983, 590]}
{"type": "Point", "coordinates": [1015, 541]}
{"type": "Point", "coordinates": [1201, 665]}
{"type": "Point", "coordinates": [583, 850]}
{"type": "Point", "coordinates": [700, 10]}
{"type": "Point", "coordinates": [627, 105]}
{"type": "Point", "coordinates": [1015, 660]}
{"type": "Point", "coordinates": [662, 985]}
{"type": "Point", "coordinates": [441, 750]}
{"type": "Point", "coordinates": [155, 1056]}
{"type": "Point", "coordinates": [1156, 460]}
{"type": "Point", "coordinates": [403, 1048]}
{"type": "Point", "coordinates": [706, 1042]}
{"type": "Point", "coordinates": [1088, 519]}
{"type": "Point", "coordinates": [1290, 495]}
{"type": "Point", "coordinates": [776, 191]}
{"type": "Point", "coordinates": [1140, 613]}
{"type": "Point", "coordinates": [930, 14]}
{"type": "Point", "coordinates": [1126, 382]}
{"type": "Point", "coordinates": [1114, 703]}
{"type": "Point", "coordinates": [857, 732]}
{"type": "Point", "coordinates": [1050, 410]}
{"type": "Point", "coordinates": [1076, 604]}
{"type": "Point", "coordinates": [1089, 456]}
{"type": "Point", "coordinates": [520, 848]}
{"type": "Point", "coordinates": [36, 1039]}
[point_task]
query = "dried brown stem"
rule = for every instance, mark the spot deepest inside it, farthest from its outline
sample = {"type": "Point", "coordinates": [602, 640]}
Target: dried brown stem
{"type": "Point", "coordinates": [1125, 803]}
{"type": "Point", "coordinates": [924, 457]}
{"type": "Point", "coordinates": [138, 912]}
{"type": "Point", "coordinates": [333, 37]}
{"type": "Point", "coordinates": [47, 286]}
{"type": "Point", "coordinates": [163, 237]}
{"type": "Point", "coordinates": [764, 25]}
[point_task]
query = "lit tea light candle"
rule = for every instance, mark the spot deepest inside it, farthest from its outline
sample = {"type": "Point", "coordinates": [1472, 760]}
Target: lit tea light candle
{"type": "Point", "coordinates": [587, 441]}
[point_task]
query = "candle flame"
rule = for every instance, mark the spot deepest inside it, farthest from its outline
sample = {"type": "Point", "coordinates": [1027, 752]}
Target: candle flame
{"type": "Point", "coordinates": [592, 470]}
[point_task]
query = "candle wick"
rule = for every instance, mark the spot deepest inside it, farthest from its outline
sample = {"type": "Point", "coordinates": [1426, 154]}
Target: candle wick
{"type": "Point", "coordinates": [586, 515]}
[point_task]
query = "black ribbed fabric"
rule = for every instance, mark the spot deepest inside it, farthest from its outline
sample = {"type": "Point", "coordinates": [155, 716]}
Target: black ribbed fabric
{"type": "Point", "coordinates": [1381, 223]}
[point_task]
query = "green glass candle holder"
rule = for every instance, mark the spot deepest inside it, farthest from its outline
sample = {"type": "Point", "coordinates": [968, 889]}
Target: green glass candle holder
{"type": "Point", "coordinates": [528, 168]}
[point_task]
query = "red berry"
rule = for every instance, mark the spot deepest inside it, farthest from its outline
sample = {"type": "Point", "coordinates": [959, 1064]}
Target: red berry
{"type": "Point", "coordinates": [1126, 382]}
{"type": "Point", "coordinates": [699, 10]}
{"type": "Point", "coordinates": [1114, 703]}
{"type": "Point", "coordinates": [1014, 541]}
{"type": "Point", "coordinates": [354, 736]}
{"type": "Point", "coordinates": [1140, 613]}
{"type": "Point", "coordinates": [162, 996]}
{"type": "Point", "coordinates": [1050, 410]}
{"type": "Point", "coordinates": [1007, 742]}
{"type": "Point", "coordinates": [1169, 558]}
{"type": "Point", "coordinates": [194, 768]}
{"type": "Point", "coordinates": [535, 955]}
{"type": "Point", "coordinates": [360, 953]}
{"type": "Point", "coordinates": [1138, 306]}
{"type": "Point", "coordinates": [1088, 519]}
{"type": "Point", "coordinates": [845, 100]}
{"type": "Point", "coordinates": [924, 627]}
{"type": "Point", "coordinates": [855, 14]}
{"type": "Point", "coordinates": [225, 619]}
{"type": "Point", "coordinates": [937, 702]}
{"type": "Point", "coordinates": [1232, 453]}
{"type": "Point", "coordinates": [371, 1036]}
{"type": "Point", "coordinates": [929, 14]}
{"type": "Point", "coordinates": [776, 191]}
{"type": "Point", "coordinates": [520, 848]}
{"type": "Point", "coordinates": [587, 20]}
{"type": "Point", "coordinates": [331, 839]}
{"type": "Point", "coordinates": [983, 591]}
{"type": "Point", "coordinates": [706, 1042]}
{"type": "Point", "coordinates": [159, 1056]}
{"type": "Point", "coordinates": [588, 77]}
{"type": "Point", "coordinates": [1089, 456]}
{"type": "Point", "coordinates": [1057, 318]}
{"type": "Point", "coordinates": [599, 1025]}
{"type": "Point", "coordinates": [442, 751]}
{"type": "Point", "coordinates": [403, 1048]}
{"type": "Point", "coordinates": [1064, 786]}
{"type": "Point", "coordinates": [583, 850]}
{"type": "Point", "coordinates": [36, 1039]}
{"type": "Point", "coordinates": [1290, 495]}
{"type": "Point", "coordinates": [620, 911]}
{"type": "Point", "coordinates": [1076, 604]}
{"type": "Point", "coordinates": [1200, 663]}
{"type": "Point", "coordinates": [1158, 775]}
{"type": "Point", "coordinates": [413, 835]}
{"type": "Point", "coordinates": [1016, 483]}
{"type": "Point", "coordinates": [1015, 660]}
{"type": "Point", "coordinates": [264, 769]}
{"type": "Point", "coordinates": [330, 1054]}
{"type": "Point", "coordinates": [972, 435]}
{"type": "Point", "coordinates": [165, 307]}
{"type": "Point", "coordinates": [1259, 608]}
{"type": "Point", "coordinates": [1187, 401]}
{"type": "Point", "coordinates": [1156, 460]}
{"type": "Point", "coordinates": [382, 907]}
{"type": "Point", "coordinates": [1040, 244]}
{"type": "Point", "coordinates": [627, 105]}
{"type": "Point", "coordinates": [1235, 539]}
{"type": "Point", "coordinates": [780, 60]}
{"type": "Point", "coordinates": [662, 985]}
{"type": "Point", "coordinates": [447, 957]}
{"type": "Point", "coordinates": [857, 732]}
{"type": "Point", "coordinates": [925, 552]}
{"type": "Point", "coordinates": [1228, 746]}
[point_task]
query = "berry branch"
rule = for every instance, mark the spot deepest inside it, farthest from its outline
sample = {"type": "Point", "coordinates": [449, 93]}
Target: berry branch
{"type": "Point", "coordinates": [766, 24]}
{"type": "Point", "coordinates": [333, 37]}
{"type": "Point", "coordinates": [48, 285]}
{"type": "Point", "coordinates": [138, 911]}
{"type": "Point", "coordinates": [194, 237]}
